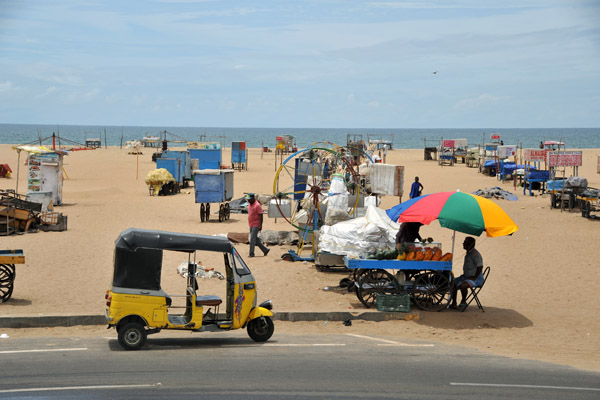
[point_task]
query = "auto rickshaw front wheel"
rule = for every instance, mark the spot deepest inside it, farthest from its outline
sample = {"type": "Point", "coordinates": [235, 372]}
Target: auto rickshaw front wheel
{"type": "Point", "coordinates": [261, 329]}
{"type": "Point", "coordinates": [132, 336]}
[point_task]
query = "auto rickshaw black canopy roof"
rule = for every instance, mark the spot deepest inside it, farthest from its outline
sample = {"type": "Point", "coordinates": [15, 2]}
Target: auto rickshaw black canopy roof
{"type": "Point", "coordinates": [138, 254]}
{"type": "Point", "coordinates": [133, 238]}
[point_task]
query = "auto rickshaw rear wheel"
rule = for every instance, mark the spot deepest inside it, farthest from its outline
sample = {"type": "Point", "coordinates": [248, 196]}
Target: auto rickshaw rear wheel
{"type": "Point", "coordinates": [261, 329]}
{"type": "Point", "coordinates": [132, 336]}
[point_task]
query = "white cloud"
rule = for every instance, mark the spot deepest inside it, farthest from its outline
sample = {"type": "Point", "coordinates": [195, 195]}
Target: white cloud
{"type": "Point", "coordinates": [81, 97]}
{"type": "Point", "coordinates": [475, 102]}
{"type": "Point", "coordinates": [373, 104]}
{"type": "Point", "coordinates": [50, 90]}
{"type": "Point", "coordinates": [6, 87]}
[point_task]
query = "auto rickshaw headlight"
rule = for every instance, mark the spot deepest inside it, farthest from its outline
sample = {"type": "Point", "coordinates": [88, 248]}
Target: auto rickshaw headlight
{"type": "Point", "coordinates": [267, 304]}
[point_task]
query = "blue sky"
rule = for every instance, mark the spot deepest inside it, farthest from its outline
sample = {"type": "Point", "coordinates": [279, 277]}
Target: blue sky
{"type": "Point", "coordinates": [329, 64]}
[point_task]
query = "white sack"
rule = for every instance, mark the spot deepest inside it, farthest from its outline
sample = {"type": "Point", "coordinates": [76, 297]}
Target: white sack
{"type": "Point", "coordinates": [359, 235]}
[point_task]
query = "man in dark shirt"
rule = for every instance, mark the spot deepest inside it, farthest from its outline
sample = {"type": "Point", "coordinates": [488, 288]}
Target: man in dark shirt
{"type": "Point", "coordinates": [408, 232]}
{"type": "Point", "coordinates": [471, 276]}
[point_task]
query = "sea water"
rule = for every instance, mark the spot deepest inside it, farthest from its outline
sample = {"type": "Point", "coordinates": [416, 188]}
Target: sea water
{"type": "Point", "coordinates": [574, 138]}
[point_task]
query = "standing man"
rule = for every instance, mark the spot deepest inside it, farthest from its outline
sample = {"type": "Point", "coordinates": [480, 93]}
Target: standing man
{"type": "Point", "coordinates": [255, 221]}
{"type": "Point", "coordinates": [416, 188]}
{"type": "Point", "coordinates": [471, 276]}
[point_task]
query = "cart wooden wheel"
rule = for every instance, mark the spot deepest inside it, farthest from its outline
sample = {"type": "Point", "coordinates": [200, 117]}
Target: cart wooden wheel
{"type": "Point", "coordinates": [221, 213]}
{"type": "Point", "coordinates": [202, 212]}
{"type": "Point", "coordinates": [7, 278]}
{"type": "Point", "coordinates": [207, 212]}
{"type": "Point", "coordinates": [227, 211]}
{"type": "Point", "coordinates": [375, 281]}
{"type": "Point", "coordinates": [431, 291]}
{"type": "Point", "coordinates": [583, 205]}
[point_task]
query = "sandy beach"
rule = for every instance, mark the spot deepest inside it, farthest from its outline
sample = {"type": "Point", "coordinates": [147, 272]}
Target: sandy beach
{"type": "Point", "coordinates": [541, 298]}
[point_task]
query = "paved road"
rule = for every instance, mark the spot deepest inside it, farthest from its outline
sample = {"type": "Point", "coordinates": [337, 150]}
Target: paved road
{"type": "Point", "coordinates": [231, 366]}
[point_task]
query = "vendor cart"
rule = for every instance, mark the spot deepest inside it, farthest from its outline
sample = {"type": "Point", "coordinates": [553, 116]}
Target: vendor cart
{"type": "Point", "coordinates": [426, 282]}
{"type": "Point", "coordinates": [8, 259]}
{"type": "Point", "coordinates": [589, 201]}
{"type": "Point", "coordinates": [213, 186]}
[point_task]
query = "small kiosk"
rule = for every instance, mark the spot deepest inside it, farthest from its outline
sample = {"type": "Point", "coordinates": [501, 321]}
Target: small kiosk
{"type": "Point", "coordinates": [44, 173]}
{"type": "Point", "coordinates": [208, 155]}
{"type": "Point", "coordinates": [239, 156]}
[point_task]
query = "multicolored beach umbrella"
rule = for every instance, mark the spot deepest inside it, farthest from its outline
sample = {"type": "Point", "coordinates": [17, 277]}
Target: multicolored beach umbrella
{"type": "Point", "coordinates": [463, 212]}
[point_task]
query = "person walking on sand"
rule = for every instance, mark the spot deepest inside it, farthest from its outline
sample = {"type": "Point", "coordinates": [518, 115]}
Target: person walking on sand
{"type": "Point", "coordinates": [255, 221]}
{"type": "Point", "coordinates": [416, 188]}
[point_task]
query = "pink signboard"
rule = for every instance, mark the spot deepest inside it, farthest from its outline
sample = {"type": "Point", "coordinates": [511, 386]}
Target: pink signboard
{"type": "Point", "coordinates": [564, 158]}
{"type": "Point", "coordinates": [534, 155]}
{"type": "Point", "coordinates": [448, 143]}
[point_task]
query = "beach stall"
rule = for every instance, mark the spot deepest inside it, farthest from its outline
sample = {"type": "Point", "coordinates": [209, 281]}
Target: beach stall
{"type": "Point", "coordinates": [178, 163]}
{"type": "Point", "coordinates": [151, 141]}
{"type": "Point", "coordinates": [17, 213]}
{"type": "Point", "coordinates": [239, 156]}
{"type": "Point", "coordinates": [451, 150]}
{"type": "Point", "coordinates": [355, 146]}
{"type": "Point", "coordinates": [44, 172]}
{"type": "Point", "coordinates": [430, 149]}
{"type": "Point", "coordinates": [589, 202]}
{"type": "Point", "coordinates": [420, 271]}
{"type": "Point", "coordinates": [205, 155]}
{"type": "Point", "coordinates": [506, 167]}
{"type": "Point", "coordinates": [285, 144]}
{"type": "Point", "coordinates": [380, 143]}
{"type": "Point", "coordinates": [488, 155]}
{"type": "Point", "coordinates": [93, 143]}
{"type": "Point", "coordinates": [213, 186]}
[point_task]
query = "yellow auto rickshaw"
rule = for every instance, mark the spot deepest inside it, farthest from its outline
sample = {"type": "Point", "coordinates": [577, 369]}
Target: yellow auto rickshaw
{"type": "Point", "coordinates": [137, 306]}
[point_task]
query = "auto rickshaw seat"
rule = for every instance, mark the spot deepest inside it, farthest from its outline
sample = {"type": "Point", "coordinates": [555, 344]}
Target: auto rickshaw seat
{"type": "Point", "coordinates": [209, 301]}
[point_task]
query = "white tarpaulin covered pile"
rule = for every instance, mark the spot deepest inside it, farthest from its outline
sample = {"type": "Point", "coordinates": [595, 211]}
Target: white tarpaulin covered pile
{"type": "Point", "coordinates": [359, 235]}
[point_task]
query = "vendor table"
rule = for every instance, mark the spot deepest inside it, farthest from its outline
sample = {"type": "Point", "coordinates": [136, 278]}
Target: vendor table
{"type": "Point", "coordinates": [535, 176]}
{"type": "Point", "coordinates": [427, 282]}
{"type": "Point", "coordinates": [8, 259]}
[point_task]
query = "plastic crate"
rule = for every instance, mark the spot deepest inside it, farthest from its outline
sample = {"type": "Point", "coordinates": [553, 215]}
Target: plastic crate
{"type": "Point", "coordinates": [393, 302]}
{"type": "Point", "coordinates": [49, 217]}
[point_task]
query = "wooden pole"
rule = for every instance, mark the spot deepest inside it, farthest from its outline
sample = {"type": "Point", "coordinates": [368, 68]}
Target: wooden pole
{"type": "Point", "coordinates": [18, 169]}
{"type": "Point", "coordinates": [137, 156]}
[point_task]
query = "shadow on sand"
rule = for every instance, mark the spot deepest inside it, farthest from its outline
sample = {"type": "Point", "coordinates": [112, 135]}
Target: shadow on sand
{"type": "Point", "coordinates": [473, 318]}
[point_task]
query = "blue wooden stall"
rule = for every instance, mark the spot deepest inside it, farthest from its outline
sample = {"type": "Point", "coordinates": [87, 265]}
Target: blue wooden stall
{"type": "Point", "coordinates": [209, 155]}
{"type": "Point", "coordinates": [239, 155]}
{"type": "Point", "coordinates": [213, 186]}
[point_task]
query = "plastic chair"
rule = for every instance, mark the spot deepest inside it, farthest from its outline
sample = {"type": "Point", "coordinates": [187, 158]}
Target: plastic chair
{"type": "Point", "coordinates": [474, 291]}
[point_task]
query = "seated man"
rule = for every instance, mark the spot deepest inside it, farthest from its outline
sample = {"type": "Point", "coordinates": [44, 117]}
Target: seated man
{"type": "Point", "coordinates": [471, 276]}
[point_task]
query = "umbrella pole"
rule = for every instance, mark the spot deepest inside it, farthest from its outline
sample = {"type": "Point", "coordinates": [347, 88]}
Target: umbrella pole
{"type": "Point", "coordinates": [453, 237]}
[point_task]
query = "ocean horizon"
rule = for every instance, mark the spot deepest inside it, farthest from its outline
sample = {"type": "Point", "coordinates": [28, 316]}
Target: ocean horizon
{"type": "Point", "coordinates": [574, 138]}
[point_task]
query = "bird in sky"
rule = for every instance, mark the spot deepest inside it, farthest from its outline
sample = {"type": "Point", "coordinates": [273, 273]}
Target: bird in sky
{"type": "Point", "coordinates": [435, 72]}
